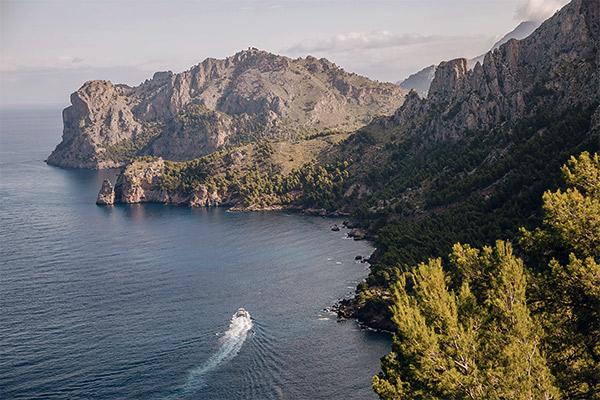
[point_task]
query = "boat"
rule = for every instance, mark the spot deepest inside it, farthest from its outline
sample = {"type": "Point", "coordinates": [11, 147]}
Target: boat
{"type": "Point", "coordinates": [241, 313]}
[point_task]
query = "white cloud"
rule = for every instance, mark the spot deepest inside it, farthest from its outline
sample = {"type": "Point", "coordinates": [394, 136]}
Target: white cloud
{"type": "Point", "coordinates": [390, 56]}
{"type": "Point", "coordinates": [357, 40]}
{"type": "Point", "coordinates": [538, 10]}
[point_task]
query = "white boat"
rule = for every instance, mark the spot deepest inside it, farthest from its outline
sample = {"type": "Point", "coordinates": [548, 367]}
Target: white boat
{"type": "Point", "coordinates": [242, 313]}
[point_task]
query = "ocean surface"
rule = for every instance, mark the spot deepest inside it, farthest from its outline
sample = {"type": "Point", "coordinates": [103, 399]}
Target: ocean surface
{"type": "Point", "coordinates": [139, 301]}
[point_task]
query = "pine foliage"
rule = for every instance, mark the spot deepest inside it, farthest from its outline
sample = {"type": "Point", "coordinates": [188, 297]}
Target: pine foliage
{"type": "Point", "coordinates": [466, 337]}
{"type": "Point", "coordinates": [567, 291]}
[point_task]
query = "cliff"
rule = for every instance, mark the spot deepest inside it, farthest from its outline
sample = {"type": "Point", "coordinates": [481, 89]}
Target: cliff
{"type": "Point", "coordinates": [251, 96]}
{"type": "Point", "coordinates": [141, 181]}
{"type": "Point", "coordinates": [555, 67]}
{"type": "Point", "coordinates": [421, 81]}
{"type": "Point", "coordinates": [492, 113]}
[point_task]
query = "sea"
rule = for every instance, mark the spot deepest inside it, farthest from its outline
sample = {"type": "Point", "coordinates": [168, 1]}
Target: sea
{"type": "Point", "coordinates": [140, 301]}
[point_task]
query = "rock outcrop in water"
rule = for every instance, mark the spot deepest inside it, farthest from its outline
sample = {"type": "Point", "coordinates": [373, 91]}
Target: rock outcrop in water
{"type": "Point", "coordinates": [248, 97]}
{"type": "Point", "coordinates": [140, 182]}
{"type": "Point", "coordinates": [107, 194]}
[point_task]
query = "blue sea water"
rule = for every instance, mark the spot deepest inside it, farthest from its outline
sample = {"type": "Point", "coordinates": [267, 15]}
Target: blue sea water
{"type": "Point", "coordinates": [139, 301]}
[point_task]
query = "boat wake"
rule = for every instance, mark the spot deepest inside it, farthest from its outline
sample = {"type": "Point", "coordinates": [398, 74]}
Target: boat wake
{"type": "Point", "coordinates": [231, 343]}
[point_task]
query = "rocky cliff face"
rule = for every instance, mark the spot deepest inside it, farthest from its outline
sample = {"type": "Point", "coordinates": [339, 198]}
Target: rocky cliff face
{"type": "Point", "coordinates": [107, 194]}
{"type": "Point", "coordinates": [249, 96]}
{"type": "Point", "coordinates": [555, 67]}
{"type": "Point", "coordinates": [101, 114]}
{"type": "Point", "coordinates": [140, 182]}
{"type": "Point", "coordinates": [421, 81]}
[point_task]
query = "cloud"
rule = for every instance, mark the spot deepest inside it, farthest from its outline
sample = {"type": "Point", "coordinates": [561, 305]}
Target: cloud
{"type": "Point", "coordinates": [538, 10]}
{"type": "Point", "coordinates": [390, 56]}
{"type": "Point", "coordinates": [358, 40]}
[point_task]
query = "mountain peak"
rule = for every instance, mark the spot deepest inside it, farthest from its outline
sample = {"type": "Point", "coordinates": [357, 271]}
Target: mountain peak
{"type": "Point", "coordinates": [548, 67]}
{"type": "Point", "coordinates": [252, 95]}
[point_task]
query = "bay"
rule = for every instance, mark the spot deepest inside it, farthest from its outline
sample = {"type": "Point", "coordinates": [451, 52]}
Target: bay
{"type": "Point", "coordinates": [138, 301]}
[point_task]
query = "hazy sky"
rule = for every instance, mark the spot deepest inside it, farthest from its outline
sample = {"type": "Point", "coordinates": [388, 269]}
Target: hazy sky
{"type": "Point", "coordinates": [50, 48]}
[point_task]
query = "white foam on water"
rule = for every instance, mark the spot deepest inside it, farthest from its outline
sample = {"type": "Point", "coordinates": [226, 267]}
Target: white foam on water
{"type": "Point", "coordinates": [231, 343]}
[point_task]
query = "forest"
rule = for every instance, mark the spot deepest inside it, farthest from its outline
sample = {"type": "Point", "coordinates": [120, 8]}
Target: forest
{"type": "Point", "coordinates": [485, 324]}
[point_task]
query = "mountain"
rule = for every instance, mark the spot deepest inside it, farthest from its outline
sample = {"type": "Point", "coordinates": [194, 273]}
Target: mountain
{"type": "Point", "coordinates": [467, 164]}
{"type": "Point", "coordinates": [522, 30]}
{"type": "Point", "coordinates": [531, 100]}
{"type": "Point", "coordinates": [555, 67]}
{"type": "Point", "coordinates": [471, 162]}
{"type": "Point", "coordinates": [420, 81]}
{"type": "Point", "coordinates": [250, 96]}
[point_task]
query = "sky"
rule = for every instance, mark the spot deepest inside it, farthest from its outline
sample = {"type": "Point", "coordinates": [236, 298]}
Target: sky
{"type": "Point", "coordinates": [49, 48]}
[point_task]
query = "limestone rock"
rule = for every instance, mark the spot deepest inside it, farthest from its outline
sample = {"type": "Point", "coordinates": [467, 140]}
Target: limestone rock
{"type": "Point", "coordinates": [247, 97]}
{"type": "Point", "coordinates": [546, 68]}
{"type": "Point", "coordinates": [107, 194]}
{"type": "Point", "coordinates": [140, 182]}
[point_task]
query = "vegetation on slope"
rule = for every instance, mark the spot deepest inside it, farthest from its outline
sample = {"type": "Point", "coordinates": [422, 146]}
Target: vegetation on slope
{"type": "Point", "coordinates": [484, 326]}
{"type": "Point", "coordinates": [253, 174]}
{"type": "Point", "coordinates": [129, 148]}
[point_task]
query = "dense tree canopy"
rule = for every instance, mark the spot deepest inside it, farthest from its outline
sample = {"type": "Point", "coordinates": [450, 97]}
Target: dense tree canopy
{"type": "Point", "coordinates": [475, 329]}
{"type": "Point", "coordinates": [567, 292]}
{"type": "Point", "coordinates": [476, 341]}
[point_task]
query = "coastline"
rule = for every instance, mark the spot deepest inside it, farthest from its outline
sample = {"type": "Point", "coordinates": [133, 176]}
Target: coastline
{"type": "Point", "coordinates": [344, 308]}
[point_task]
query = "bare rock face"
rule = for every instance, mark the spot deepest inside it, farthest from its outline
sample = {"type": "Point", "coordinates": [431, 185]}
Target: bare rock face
{"type": "Point", "coordinates": [421, 81]}
{"type": "Point", "coordinates": [140, 182]}
{"type": "Point", "coordinates": [449, 79]}
{"type": "Point", "coordinates": [250, 96]}
{"type": "Point", "coordinates": [107, 194]}
{"type": "Point", "coordinates": [545, 69]}
{"type": "Point", "coordinates": [100, 116]}
{"type": "Point", "coordinates": [205, 198]}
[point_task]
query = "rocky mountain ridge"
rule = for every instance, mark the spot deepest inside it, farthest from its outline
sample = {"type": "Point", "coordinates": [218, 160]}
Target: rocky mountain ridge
{"type": "Point", "coordinates": [250, 96]}
{"type": "Point", "coordinates": [557, 66]}
{"type": "Point", "coordinates": [554, 69]}
{"type": "Point", "coordinates": [421, 81]}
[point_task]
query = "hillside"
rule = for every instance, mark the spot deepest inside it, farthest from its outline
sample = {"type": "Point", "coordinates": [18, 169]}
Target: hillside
{"type": "Point", "coordinates": [470, 163]}
{"type": "Point", "coordinates": [467, 164]}
{"type": "Point", "coordinates": [249, 97]}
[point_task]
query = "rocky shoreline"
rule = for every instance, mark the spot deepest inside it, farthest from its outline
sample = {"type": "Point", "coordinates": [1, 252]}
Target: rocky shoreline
{"type": "Point", "coordinates": [138, 183]}
{"type": "Point", "coordinates": [347, 309]}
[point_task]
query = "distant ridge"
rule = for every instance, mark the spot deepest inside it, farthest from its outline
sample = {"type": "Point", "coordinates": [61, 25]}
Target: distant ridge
{"type": "Point", "coordinates": [420, 81]}
{"type": "Point", "coordinates": [253, 95]}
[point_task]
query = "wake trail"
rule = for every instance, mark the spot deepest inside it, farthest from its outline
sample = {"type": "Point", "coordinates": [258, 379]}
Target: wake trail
{"type": "Point", "coordinates": [231, 343]}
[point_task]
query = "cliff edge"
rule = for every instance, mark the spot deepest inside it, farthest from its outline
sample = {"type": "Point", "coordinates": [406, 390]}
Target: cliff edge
{"type": "Point", "coordinates": [251, 96]}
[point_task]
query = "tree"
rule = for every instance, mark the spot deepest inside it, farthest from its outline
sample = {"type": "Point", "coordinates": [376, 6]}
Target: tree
{"type": "Point", "coordinates": [466, 337]}
{"type": "Point", "coordinates": [567, 291]}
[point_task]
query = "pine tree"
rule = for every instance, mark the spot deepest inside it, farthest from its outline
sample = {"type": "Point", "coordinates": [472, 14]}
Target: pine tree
{"type": "Point", "coordinates": [567, 292]}
{"type": "Point", "coordinates": [477, 341]}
